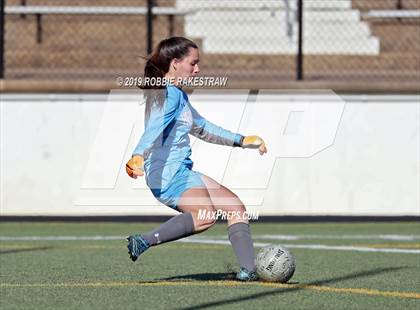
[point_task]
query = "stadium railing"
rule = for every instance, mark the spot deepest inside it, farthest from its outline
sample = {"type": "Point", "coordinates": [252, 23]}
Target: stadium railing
{"type": "Point", "coordinates": [392, 14]}
{"type": "Point", "coordinates": [285, 5]}
{"type": "Point", "coordinates": [38, 11]}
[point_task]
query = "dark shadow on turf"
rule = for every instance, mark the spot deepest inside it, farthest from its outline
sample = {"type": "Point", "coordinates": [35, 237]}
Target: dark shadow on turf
{"type": "Point", "coordinates": [359, 274]}
{"type": "Point", "coordinates": [44, 248]}
{"type": "Point", "coordinates": [203, 277]}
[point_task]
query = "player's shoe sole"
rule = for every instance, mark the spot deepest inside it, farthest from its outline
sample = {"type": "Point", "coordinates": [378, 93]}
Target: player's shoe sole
{"type": "Point", "coordinates": [246, 275]}
{"type": "Point", "coordinates": [136, 245]}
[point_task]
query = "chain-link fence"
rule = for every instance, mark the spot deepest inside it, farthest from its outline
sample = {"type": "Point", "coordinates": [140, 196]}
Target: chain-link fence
{"type": "Point", "coordinates": [248, 40]}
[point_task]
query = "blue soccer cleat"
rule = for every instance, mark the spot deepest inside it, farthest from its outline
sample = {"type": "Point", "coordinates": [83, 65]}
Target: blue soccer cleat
{"type": "Point", "coordinates": [246, 275]}
{"type": "Point", "coordinates": [136, 245]}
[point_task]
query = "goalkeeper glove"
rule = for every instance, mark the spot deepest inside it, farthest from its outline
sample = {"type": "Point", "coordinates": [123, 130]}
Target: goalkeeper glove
{"type": "Point", "coordinates": [134, 166]}
{"type": "Point", "coordinates": [254, 142]}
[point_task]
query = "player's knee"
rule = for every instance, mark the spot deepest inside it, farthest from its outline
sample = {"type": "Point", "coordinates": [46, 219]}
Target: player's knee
{"type": "Point", "coordinates": [239, 209]}
{"type": "Point", "coordinates": [209, 222]}
{"type": "Point", "coordinates": [206, 223]}
{"type": "Point", "coordinates": [239, 215]}
{"type": "Point", "coordinates": [204, 219]}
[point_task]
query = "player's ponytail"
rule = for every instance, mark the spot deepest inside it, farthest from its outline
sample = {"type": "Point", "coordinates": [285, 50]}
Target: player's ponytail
{"type": "Point", "coordinates": [157, 65]}
{"type": "Point", "coordinates": [151, 70]}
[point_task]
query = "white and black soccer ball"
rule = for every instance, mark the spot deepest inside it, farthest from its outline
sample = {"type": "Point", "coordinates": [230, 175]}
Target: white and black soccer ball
{"type": "Point", "coordinates": [275, 263]}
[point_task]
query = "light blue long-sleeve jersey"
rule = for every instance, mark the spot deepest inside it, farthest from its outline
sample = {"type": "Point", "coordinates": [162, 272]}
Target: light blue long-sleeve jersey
{"type": "Point", "coordinates": [165, 144]}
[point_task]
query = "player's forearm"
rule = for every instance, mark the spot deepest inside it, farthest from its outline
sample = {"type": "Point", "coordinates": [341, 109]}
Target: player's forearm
{"type": "Point", "coordinates": [217, 135]}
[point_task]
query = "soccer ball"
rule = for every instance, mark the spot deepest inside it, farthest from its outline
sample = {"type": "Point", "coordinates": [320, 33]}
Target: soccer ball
{"type": "Point", "coordinates": [275, 263]}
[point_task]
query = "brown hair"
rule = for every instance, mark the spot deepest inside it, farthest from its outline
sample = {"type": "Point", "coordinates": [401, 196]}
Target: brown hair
{"type": "Point", "coordinates": [157, 65]}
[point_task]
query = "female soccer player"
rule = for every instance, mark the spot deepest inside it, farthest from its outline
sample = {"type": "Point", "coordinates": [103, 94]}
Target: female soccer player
{"type": "Point", "coordinates": [163, 155]}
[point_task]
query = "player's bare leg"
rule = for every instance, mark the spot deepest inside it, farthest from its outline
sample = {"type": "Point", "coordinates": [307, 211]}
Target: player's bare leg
{"type": "Point", "coordinates": [192, 201]}
{"type": "Point", "coordinates": [238, 226]}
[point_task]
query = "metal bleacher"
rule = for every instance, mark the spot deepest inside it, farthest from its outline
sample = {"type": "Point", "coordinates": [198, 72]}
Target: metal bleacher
{"type": "Point", "coordinates": [345, 39]}
{"type": "Point", "coordinates": [270, 27]}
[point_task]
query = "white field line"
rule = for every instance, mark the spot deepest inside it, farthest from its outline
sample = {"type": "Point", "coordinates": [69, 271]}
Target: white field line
{"type": "Point", "coordinates": [60, 238]}
{"type": "Point", "coordinates": [215, 241]}
{"type": "Point", "coordinates": [224, 237]}
{"type": "Point", "coordinates": [327, 237]}
{"type": "Point", "coordinates": [310, 246]}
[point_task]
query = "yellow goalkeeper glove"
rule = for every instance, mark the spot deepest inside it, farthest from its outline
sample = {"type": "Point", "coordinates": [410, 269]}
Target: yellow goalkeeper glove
{"type": "Point", "coordinates": [134, 166]}
{"type": "Point", "coordinates": [254, 142]}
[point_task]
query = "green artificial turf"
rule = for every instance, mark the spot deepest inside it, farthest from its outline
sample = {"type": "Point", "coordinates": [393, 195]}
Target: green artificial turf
{"type": "Point", "coordinates": [97, 274]}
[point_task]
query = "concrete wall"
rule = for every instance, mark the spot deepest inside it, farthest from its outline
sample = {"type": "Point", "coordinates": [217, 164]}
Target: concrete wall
{"type": "Point", "coordinates": [328, 154]}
